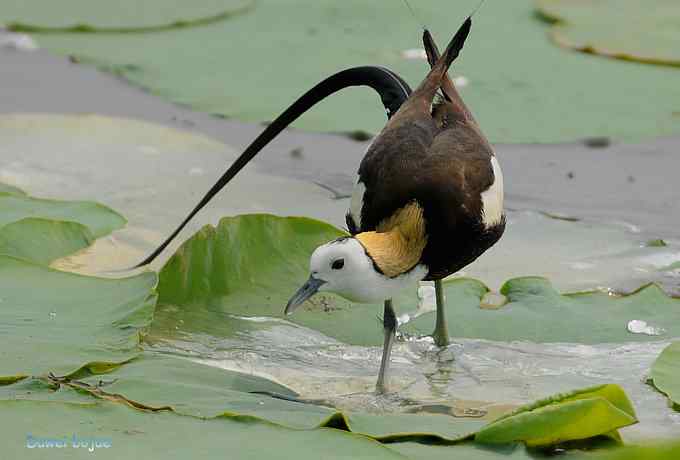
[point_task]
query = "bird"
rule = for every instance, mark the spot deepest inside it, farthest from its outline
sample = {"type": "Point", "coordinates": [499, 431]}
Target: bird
{"type": "Point", "coordinates": [428, 201]}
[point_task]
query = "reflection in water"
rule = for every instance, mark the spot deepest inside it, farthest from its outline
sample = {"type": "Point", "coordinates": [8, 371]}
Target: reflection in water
{"type": "Point", "coordinates": [470, 378]}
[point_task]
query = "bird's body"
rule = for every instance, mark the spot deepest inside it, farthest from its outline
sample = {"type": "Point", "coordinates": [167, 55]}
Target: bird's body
{"type": "Point", "coordinates": [441, 162]}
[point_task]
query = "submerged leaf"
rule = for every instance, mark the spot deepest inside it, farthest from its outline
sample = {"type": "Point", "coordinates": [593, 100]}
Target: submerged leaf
{"type": "Point", "coordinates": [579, 415]}
{"type": "Point", "coordinates": [665, 375]}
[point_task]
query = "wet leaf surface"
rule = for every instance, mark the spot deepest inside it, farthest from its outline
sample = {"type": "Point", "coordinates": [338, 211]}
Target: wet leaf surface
{"type": "Point", "coordinates": [629, 29]}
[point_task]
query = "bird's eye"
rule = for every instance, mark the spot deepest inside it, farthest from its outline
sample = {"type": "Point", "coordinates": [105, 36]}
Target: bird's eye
{"type": "Point", "coordinates": [338, 264]}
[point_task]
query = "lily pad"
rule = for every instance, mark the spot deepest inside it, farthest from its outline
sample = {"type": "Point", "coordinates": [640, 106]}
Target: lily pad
{"type": "Point", "coordinates": [219, 275]}
{"type": "Point", "coordinates": [623, 29]}
{"type": "Point", "coordinates": [537, 312]}
{"type": "Point", "coordinates": [99, 219]}
{"type": "Point", "coordinates": [43, 240]}
{"type": "Point", "coordinates": [249, 266]}
{"type": "Point", "coordinates": [134, 434]}
{"type": "Point", "coordinates": [42, 231]}
{"type": "Point", "coordinates": [545, 81]}
{"type": "Point", "coordinates": [120, 16]}
{"type": "Point", "coordinates": [55, 321]}
{"type": "Point", "coordinates": [578, 415]}
{"type": "Point", "coordinates": [665, 375]}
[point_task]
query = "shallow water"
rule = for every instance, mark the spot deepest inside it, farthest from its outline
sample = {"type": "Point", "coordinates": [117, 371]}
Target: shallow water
{"type": "Point", "coordinates": [469, 378]}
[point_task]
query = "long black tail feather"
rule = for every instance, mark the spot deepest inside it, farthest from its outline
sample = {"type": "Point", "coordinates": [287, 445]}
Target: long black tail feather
{"type": "Point", "coordinates": [391, 88]}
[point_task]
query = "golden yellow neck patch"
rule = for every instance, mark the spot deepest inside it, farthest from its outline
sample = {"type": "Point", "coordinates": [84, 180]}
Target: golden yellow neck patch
{"type": "Point", "coordinates": [398, 242]}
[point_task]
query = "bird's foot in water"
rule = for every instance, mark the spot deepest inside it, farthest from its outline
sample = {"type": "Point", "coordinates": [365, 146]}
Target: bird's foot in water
{"type": "Point", "coordinates": [441, 332]}
{"type": "Point", "coordinates": [441, 337]}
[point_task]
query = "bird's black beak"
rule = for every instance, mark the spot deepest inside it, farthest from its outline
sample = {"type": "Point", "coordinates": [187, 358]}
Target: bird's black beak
{"type": "Point", "coordinates": [305, 292]}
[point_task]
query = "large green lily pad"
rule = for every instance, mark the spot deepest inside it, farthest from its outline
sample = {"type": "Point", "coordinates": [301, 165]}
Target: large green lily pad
{"type": "Point", "coordinates": [250, 265]}
{"type": "Point", "coordinates": [665, 375]}
{"type": "Point", "coordinates": [226, 68]}
{"type": "Point", "coordinates": [623, 29]}
{"type": "Point", "coordinates": [55, 321]}
{"type": "Point", "coordinates": [119, 16]}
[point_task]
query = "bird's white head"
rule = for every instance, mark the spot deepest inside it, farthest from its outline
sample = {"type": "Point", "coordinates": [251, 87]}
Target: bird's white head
{"type": "Point", "coordinates": [343, 266]}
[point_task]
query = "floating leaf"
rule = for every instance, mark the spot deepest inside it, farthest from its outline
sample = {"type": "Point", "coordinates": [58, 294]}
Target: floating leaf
{"type": "Point", "coordinates": [139, 434]}
{"type": "Point", "coordinates": [99, 219]}
{"type": "Point", "coordinates": [42, 240]}
{"type": "Point", "coordinates": [223, 270]}
{"type": "Point", "coordinates": [119, 16]}
{"type": "Point", "coordinates": [55, 321]}
{"type": "Point", "coordinates": [665, 375]}
{"type": "Point", "coordinates": [537, 312]}
{"type": "Point", "coordinates": [602, 97]}
{"type": "Point", "coordinates": [623, 29]}
{"type": "Point", "coordinates": [218, 276]}
{"type": "Point", "coordinates": [579, 415]}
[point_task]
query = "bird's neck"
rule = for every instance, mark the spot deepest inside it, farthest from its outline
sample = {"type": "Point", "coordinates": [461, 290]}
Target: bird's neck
{"type": "Point", "coordinates": [398, 243]}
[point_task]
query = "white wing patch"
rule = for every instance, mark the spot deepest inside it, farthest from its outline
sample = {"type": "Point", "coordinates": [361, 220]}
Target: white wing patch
{"type": "Point", "coordinates": [356, 203]}
{"type": "Point", "coordinates": [492, 198]}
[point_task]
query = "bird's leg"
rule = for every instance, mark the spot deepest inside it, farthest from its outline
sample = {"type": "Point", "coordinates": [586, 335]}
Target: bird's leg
{"type": "Point", "coordinates": [390, 329]}
{"type": "Point", "coordinates": [441, 332]}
